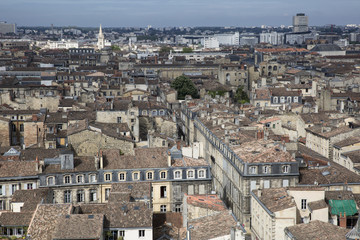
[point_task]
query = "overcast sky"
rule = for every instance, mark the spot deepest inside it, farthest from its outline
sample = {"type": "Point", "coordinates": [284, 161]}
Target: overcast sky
{"type": "Point", "coordinates": [162, 13]}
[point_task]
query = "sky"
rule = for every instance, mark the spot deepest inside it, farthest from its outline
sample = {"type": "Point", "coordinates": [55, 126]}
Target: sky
{"type": "Point", "coordinates": [167, 13]}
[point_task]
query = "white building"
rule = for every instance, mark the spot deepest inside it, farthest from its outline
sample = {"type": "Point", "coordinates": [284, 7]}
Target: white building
{"type": "Point", "coordinates": [63, 44]}
{"type": "Point", "coordinates": [210, 42]}
{"type": "Point", "coordinates": [228, 39]}
{"type": "Point", "coordinates": [7, 28]}
{"type": "Point", "coordinates": [273, 38]}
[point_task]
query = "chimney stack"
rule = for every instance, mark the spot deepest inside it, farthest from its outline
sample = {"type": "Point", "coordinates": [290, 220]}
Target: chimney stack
{"type": "Point", "coordinates": [101, 160]}
{"type": "Point", "coordinates": [342, 220]}
{"type": "Point", "coordinates": [169, 159]}
{"type": "Point", "coordinates": [178, 144]}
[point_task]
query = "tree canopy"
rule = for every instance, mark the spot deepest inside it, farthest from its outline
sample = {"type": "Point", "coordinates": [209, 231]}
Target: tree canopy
{"type": "Point", "coordinates": [187, 50]}
{"type": "Point", "coordinates": [184, 86]}
{"type": "Point", "coordinates": [241, 96]}
{"type": "Point", "coordinates": [165, 49]}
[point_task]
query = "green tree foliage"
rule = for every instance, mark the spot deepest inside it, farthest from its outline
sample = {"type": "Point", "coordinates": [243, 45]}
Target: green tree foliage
{"type": "Point", "coordinates": [241, 96]}
{"type": "Point", "coordinates": [165, 49]}
{"type": "Point", "coordinates": [187, 50]}
{"type": "Point", "coordinates": [115, 48]}
{"type": "Point", "coordinates": [184, 86]}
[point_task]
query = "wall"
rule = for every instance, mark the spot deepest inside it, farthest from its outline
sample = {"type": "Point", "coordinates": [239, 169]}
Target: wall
{"type": "Point", "coordinates": [88, 143]}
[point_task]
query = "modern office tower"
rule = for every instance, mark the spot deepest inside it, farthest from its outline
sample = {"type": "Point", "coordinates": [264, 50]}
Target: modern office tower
{"type": "Point", "coordinates": [300, 23]}
{"type": "Point", "coordinates": [7, 28]}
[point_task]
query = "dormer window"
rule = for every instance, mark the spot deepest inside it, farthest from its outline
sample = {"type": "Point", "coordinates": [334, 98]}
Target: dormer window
{"type": "Point", "coordinates": [149, 175]}
{"type": "Point", "coordinates": [177, 174]}
{"type": "Point", "coordinates": [93, 178]}
{"type": "Point", "coordinates": [136, 176]}
{"type": "Point", "coordinates": [253, 170]}
{"type": "Point", "coordinates": [80, 178]}
{"type": "Point", "coordinates": [67, 179]}
{"type": "Point", "coordinates": [201, 173]}
{"type": "Point", "coordinates": [163, 175]}
{"type": "Point", "coordinates": [266, 169]}
{"type": "Point", "coordinates": [296, 99]}
{"type": "Point", "coordinates": [107, 177]}
{"type": "Point", "coordinates": [190, 174]}
{"type": "Point", "coordinates": [122, 176]}
{"type": "Point", "coordinates": [286, 169]}
{"type": "Point", "coordinates": [275, 99]}
{"type": "Point", "coordinates": [50, 181]}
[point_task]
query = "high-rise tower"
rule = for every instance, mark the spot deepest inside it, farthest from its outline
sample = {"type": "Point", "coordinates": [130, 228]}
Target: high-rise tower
{"type": "Point", "coordinates": [300, 23]}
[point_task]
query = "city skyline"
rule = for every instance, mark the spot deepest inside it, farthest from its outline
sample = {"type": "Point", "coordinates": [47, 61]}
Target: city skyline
{"type": "Point", "coordinates": [165, 13]}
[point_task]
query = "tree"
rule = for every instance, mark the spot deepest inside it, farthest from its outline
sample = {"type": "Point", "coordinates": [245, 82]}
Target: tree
{"type": "Point", "coordinates": [165, 49]}
{"type": "Point", "coordinates": [187, 50]}
{"type": "Point", "coordinates": [184, 86]}
{"type": "Point", "coordinates": [115, 48]}
{"type": "Point", "coordinates": [241, 96]}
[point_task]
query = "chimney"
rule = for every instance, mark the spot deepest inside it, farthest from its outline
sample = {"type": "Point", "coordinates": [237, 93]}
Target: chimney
{"type": "Point", "coordinates": [97, 161]}
{"type": "Point", "coordinates": [169, 159]}
{"type": "Point", "coordinates": [101, 159]}
{"type": "Point", "coordinates": [178, 144]}
{"type": "Point", "coordinates": [259, 192]}
{"type": "Point", "coordinates": [342, 220]}
{"type": "Point", "coordinates": [34, 118]}
{"type": "Point", "coordinates": [37, 164]}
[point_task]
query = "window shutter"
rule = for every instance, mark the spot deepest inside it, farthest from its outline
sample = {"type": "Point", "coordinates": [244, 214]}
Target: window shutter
{"type": "Point", "coordinates": [25, 186]}
{"type": "Point", "coordinates": [10, 189]}
{"type": "Point", "coordinates": [3, 190]}
{"type": "Point", "coordinates": [34, 185]}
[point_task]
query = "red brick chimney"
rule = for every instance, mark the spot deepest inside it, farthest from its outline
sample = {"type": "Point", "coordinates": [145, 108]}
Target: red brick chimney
{"type": "Point", "coordinates": [178, 144]}
{"type": "Point", "coordinates": [342, 220]}
{"type": "Point", "coordinates": [34, 118]}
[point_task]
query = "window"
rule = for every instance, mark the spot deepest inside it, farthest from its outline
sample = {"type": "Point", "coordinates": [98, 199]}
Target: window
{"type": "Point", "coordinates": [107, 193]}
{"type": "Point", "coordinates": [80, 179]}
{"type": "Point", "coordinates": [132, 120]}
{"type": "Point", "coordinates": [50, 181]}
{"type": "Point", "coordinates": [252, 185]}
{"type": "Point", "coordinates": [161, 112]}
{"type": "Point", "coordinates": [121, 233]}
{"type": "Point", "coordinates": [132, 113]}
{"type": "Point", "coordinates": [163, 193]}
{"type": "Point", "coordinates": [253, 170]}
{"type": "Point", "coordinates": [13, 188]}
{"type": "Point", "coordinates": [29, 186]}
{"type": "Point", "coordinates": [144, 112]}
{"type": "Point", "coordinates": [80, 196]}
{"type": "Point", "coordinates": [191, 189]}
{"type": "Point", "coordinates": [141, 233]}
{"type": "Point", "coordinates": [288, 99]}
{"type": "Point", "coordinates": [177, 208]}
{"type": "Point", "coordinates": [275, 99]}
{"type": "Point", "coordinates": [119, 119]}
{"type": "Point", "coordinates": [296, 99]}
{"type": "Point", "coordinates": [285, 183]}
{"type": "Point", "coordinates": [282, 99]}
{"type": "Point", "coordinates": [149, 175]}
{"type": "Point", "coordinates": [67, 179]}
{"type": "Point", "coordinates": [108, 177]}
{"type": "Point", "coordinates": [93, 195]}
{"type": "Point", "coordinates": [1, 190]}
{"type": "Point", "coordinates": [303, 204]}
{"type": "Point", "coordinates": [163, 175]}
{"type": "Point", "coordinates": [267, 184]}
{"type": "Point", "coordinates": [93, 178]}
{"type": "Point", "coordinates": [285, 169]}
{"type": "Point", "coordinates": [21, 127]}
{"type": "Point", "coordinates": [136, 176]}
{"type": "Point", "coordinates": [266, 169]}
{"type": "Point", "coordinates": [162, 208]}
{"type": "Point", "coordinates": [177, 174]}
{"type": "Point", "coordinates": [154, 112]}
{"type": "Point", "coordinates": [190, 174]}
{"type": "Point", "coordinates": [67, 196]}
{"type": "Point", "coordinates": [122, 176]}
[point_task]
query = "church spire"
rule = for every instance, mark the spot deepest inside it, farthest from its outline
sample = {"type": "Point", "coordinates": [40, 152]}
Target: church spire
{"type": "Point", "coordinates": [101, 39]}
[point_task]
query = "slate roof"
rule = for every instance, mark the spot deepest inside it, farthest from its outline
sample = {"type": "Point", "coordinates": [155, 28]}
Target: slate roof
{"type": "Point", "coordinates": [275, 199]}
{"type": "Point", "coordinates": [331, 174]}
{"type": "Point", "coordinates": [81, 164]}
{"type": "Point", "coordinates": [144, 158]}
{"type": "Point", "coordinates": [45, 220]}
{"type": "Point", "coordinates": [79, 226]}
{"type": "Point", "coordinates": [316, 230]}
{"type": "Point", "coordinates": [17, 169]}
{"type": "Point", "coordinates": [353, 155]}
{"type": "Point", "coordinates": [326, 48]}
{"type": "Point", "coordinates": [135, 190]}
{"type": "Point", "coordinates": [17, 219]}
{"type": "Point", "coordinates": [30, 198]}
{"type": "Point", "coordinates": [317, 205]}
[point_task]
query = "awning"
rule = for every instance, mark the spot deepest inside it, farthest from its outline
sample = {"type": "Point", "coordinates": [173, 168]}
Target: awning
{"type": "Point", "coordinates": [343, 206]}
